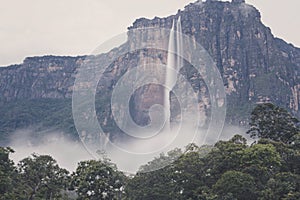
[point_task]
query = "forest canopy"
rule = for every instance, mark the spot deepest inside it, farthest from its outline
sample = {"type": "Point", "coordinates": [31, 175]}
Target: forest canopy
{"type": "Point", "coordinates": [268, 169]}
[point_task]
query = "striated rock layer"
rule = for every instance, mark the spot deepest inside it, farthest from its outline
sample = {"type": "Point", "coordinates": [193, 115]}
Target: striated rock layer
{"type": "Point", "coordinates": [255, 66]}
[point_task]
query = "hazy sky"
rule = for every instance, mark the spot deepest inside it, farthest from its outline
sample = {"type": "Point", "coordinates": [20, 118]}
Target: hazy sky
{"type": "Point", "coordinates": [76, 27]}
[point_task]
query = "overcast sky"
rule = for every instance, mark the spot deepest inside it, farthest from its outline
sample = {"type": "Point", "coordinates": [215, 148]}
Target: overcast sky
{"type": "Point", "coordinates": [77, 27]}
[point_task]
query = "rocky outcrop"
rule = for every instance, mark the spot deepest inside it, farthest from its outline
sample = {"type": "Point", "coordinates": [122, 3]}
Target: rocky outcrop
{"type": "Point", "coordinates": [39, 77]}
{"type": "Point", "coordinates": [255, 66]}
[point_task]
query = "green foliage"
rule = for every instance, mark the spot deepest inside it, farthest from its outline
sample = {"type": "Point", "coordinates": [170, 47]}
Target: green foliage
{"type": "Point", "coordinates": [226, 155]}
{"type": "Point", "coordinates": [46, 113]}
{"type": "Point", "coordinates": [157, 184]}
{"type": "Point", "coordinates": [261, 161]}
{"type": "Point", "coordinates": [229, 170]}
{"type": "Point", "coordinates": [42, 178]}
{"type": "Point", "coordinates": [262, 155]}
{"type": "Point", "coordinates": [161, 161]}
{"type": "Point", "coordinates": [43, 114]}
{"type": "Point", "coordinates": [35, 177]}
{"type": "Point", "coordinates": [272, 122]}
{"type": "Point", "coordinates": [269, 169]}
{"type": "Point", "coordinates": [98, 180]}
{"type": "Point", "coordinates": [239, 185]}
{"type": "Point", "coordinates": [282, 186]}
{"type": "Point", "coordinates": [7, 172]}
{"type": "Point", "coordinates": [289, 155]}
{"type": "Point", "coordinates": [178, 180]}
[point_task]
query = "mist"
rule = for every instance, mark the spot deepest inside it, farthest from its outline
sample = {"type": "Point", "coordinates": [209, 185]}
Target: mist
{"type": "Point", "coordinates": [128, 157]}
{"type": "Point", "coordinates": [64, 150]}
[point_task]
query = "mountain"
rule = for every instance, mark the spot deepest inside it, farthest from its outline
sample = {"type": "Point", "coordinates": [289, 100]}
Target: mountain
{"type": "Point", "coordinates": [255, 67]}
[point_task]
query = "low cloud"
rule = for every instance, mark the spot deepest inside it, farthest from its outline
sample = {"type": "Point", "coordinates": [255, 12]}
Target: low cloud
{"type": "Point", "coordinates": [68, 153]}
{"type": "Point", "coordinates": [65, 151]}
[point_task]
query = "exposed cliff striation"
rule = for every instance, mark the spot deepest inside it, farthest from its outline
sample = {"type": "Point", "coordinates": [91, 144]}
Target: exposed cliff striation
{"type": "Point", "coordinates": [255, 66]}
{"type": "Point", "coordinates": [39, 77]}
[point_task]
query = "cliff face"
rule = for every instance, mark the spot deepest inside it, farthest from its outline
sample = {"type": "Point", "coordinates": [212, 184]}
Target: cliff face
{"type": "Point", "coordinates": [255, 66]}
{"type": "Point", "coordinates": [39, 77]}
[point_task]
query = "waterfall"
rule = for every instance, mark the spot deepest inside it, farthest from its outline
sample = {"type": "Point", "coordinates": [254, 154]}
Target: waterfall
{"type": "Point", "coordinates": [174, 63]}
{"type": "Point", "coordinates": [179, 45]}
